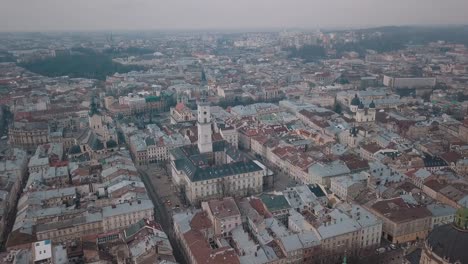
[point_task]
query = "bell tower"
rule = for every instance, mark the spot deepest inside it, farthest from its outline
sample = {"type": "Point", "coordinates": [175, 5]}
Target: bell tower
{"type": "Point", "coordinates": [205, 144]}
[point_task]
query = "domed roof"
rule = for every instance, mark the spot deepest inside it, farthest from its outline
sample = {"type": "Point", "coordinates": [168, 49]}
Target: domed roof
{"type": "Point", "coordinates": [111, 143]}
{"type": "Point", "coordinates": [449, 242]}
{"type": "Point", "coordinates": [361, 106]}
{"type": "Point", "coordinates": [354, 131]}
{"type": "Point", "coordinates": [372, 104]}
{"type": "Point", "coordinates": [355, 100]}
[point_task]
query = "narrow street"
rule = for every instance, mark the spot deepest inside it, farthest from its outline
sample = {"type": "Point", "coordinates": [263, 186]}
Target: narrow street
{"type": "Point", "coordinates": [281, 180]}
{"type": "Point", "coordinates": [162, 216]}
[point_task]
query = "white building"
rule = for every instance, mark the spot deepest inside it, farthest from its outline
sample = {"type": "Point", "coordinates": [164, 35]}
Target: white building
{"type": "Point", "coordinates": [441, 214]}
{"type": "Point", "coordinates": [122, 215]}
{"type": "Point", "coordinates": [346, 186]}
{"type": "Point", "coordinates": [205, 144]}
{"type": "Point", "coordinates": [42, 252]}
{"type": "Point", "coordinates": [224, 215]}
{"type": "Point", "coordinates": [409, 82]}
{"type": "Point", "coordinates": [361, 113]}
{"type": "Point", "coordinates": [212, 170]}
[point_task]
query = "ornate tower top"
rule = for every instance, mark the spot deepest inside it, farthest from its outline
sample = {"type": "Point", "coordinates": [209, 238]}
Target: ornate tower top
{"type": "Point", "coordinates": [203, 109]}
{"type": "Point", "coordinates": [203, 77]}
{"type": "Point", "coordinates": [93, 108]}
{"type": "Point", "coordinates": [355, 100]}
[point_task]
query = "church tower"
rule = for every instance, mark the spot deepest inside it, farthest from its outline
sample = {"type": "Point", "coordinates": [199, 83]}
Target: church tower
{"type": "Point", "coordinates": [205, 144]}
{"type": "Point", "coordinates": [95, 118]}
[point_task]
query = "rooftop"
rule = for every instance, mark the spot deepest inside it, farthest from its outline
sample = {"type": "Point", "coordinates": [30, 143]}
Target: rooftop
{"type": "Point", "coordinates": [223, 208]}
{"type": "Point", "coordinates": [398, 211]}
{"type": "Point", "coordinates": [274, 202]}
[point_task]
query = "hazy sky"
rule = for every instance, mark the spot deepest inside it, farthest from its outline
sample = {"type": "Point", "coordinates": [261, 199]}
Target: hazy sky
{"type": "Point", "coordinates": [41, 15]}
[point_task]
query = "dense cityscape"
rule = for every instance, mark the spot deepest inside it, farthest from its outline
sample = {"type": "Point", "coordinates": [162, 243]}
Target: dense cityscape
{"type": "Point", "coordinates": [291, 146]}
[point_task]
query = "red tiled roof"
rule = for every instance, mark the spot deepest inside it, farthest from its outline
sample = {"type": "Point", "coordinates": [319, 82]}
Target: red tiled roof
{"type": "Point", "coordinates": [283, 151]}
{"type": "Point", "coordinates": [354, 162]}
{"type": "Point", "coordinates": [180, 106]}
{"type": "Point", "coordinates": [397, 210]}
{"type": "Point", "coordinates": [200, 221]}
{"type": "Point", "coordinates": [435, 184]}
{"type": "Point", "coordinates": [258, 205]}
{"type": "Point", "coordinates": [216, 137]}
{"type": "Point", "coordinates": [226, 207]}
{"type": "Point", "coordinates": [262, 139]}
{"type": "Point", "coordinates": [371, 148]}
{"type": "Point", "coordinates": [204, 254]}
{"type": "Point", "coordinates": [451, 156]}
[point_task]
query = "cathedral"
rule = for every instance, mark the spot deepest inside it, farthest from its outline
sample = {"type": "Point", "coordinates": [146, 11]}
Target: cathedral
{"type": "Point", "coordinates": [359, 112]}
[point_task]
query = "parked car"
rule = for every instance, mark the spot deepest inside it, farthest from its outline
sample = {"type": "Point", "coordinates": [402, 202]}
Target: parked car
{"type": "Point", "coordinates": [380, 250]}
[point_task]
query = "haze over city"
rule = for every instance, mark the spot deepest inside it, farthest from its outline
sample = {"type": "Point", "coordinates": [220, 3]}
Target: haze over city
{"type": "Point", "coordinates": [60, 15]}
{"type": "Point", "coordinates": [234, 132]}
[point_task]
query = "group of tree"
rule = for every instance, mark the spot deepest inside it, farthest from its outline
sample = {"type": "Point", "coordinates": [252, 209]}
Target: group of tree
{"type": "Point", "coordinates": [5, 117]}
{"type": "Point", "coordinates": [396, 38]}
{"type": "Point", "coordinates": [379, 44]}
{"type": "Point", "coordinates": [129, 51]}
{"type": "Point", "coordinates": [80, 63]}
{"type": "Point", "coordinates": [6, 57]}
{"type": "Point", "coordinates": [224, 103]}
{"type": "Point", "coordinates": [308, 53]}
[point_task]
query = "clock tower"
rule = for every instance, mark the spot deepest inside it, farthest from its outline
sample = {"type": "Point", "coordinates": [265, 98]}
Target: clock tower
{"type": "Point", "coordinates": [205, 144]}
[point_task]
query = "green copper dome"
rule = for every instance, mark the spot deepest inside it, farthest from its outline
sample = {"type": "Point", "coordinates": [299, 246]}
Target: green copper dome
{"type": "Point", "coordinates": [355, 100]}
{"type": "Point", "coordinates": [93, 107]}
{"type": "Point", "coordinates": [372, 104]}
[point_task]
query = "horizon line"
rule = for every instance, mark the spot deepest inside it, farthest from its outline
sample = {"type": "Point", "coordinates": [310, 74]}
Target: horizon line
{"type": "Point", "coordinates": [234, 29]}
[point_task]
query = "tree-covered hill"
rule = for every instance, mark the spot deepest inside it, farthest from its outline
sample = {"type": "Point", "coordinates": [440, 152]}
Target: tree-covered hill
{"type": "Point", "coordinates": [78, 65]}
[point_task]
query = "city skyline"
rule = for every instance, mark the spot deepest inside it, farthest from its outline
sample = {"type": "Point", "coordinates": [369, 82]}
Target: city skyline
{"type": "Point", "coordinates": [234, 132]}
{"type": "Point", "coordinates": [53, 15]}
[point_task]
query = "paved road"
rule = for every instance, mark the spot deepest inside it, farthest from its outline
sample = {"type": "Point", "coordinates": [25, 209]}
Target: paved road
{"type": "Point", "coordinates": [162, 216]}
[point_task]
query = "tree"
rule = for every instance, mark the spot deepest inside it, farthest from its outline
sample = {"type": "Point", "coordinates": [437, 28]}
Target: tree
{"type": "Point", "coordinates": [337, 108]}
{"type": "Point", "coordinates": [308, 53]}
{"type": "Point", "coordinates": [343, 81]}
{"type": "Point", "coordinates": [82, 65]}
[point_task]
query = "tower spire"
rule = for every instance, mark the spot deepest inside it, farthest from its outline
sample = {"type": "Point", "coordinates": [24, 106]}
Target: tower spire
{"type": "Point", "coordinates": [93, 108]}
